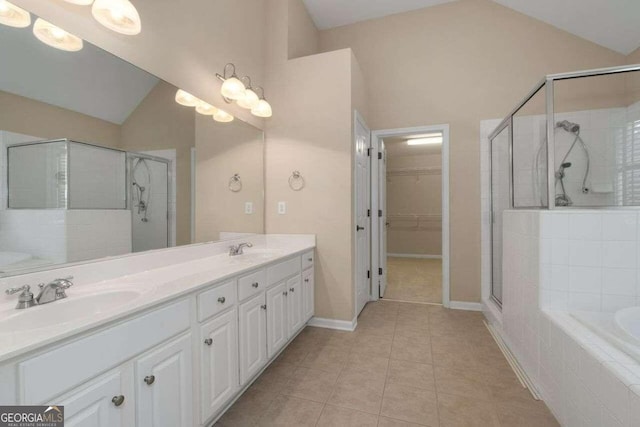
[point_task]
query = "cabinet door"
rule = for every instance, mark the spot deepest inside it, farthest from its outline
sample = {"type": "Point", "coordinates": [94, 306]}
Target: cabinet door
{"type": "Point", "coordinates": [277, 323]}
{"type": "Point", "coordinates": [219, 362]}
{"type": "Point", "coordinates": [253, 337]}
{"type": "Point", "coordinates": [308, 295]}
{"type": "Point", "coordinates": [163, 385]}
{"type": "Point", "coordinates": [107, 401]}
{"type": "Point", "coordinates": [294, 304]}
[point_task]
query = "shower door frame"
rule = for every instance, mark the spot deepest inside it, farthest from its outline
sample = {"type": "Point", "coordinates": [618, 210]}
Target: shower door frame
{"type": "Point", "coordinates": [135, 154]}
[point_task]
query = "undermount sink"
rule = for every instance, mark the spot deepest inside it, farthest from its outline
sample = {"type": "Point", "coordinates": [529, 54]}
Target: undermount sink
{"type": "Point", "coordinates": [252, 255]}
{"type": "Point", "coordinates": [70, 309]}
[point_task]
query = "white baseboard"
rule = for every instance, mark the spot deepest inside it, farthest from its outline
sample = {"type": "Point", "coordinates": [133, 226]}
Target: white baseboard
{"type": "Point", "coordinates": [463, 305]}
{"type": "Point", "coordinates": [415, 256]}
{"type": "Point", "coordinates": [341, 325]}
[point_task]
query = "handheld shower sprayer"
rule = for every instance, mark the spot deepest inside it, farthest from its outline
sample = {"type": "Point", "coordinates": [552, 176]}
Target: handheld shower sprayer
{"type": "Point", "coordinates": [568, 126]}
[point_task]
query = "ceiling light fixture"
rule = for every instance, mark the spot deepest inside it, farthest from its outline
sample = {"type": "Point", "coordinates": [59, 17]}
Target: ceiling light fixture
{"type": "Point", "coordinates": [13, 16]}
{"type": "Point", "coordinates": [80, 2]}
{"type": "Point", "coordinates": [186, 99]}
{"type": "Point", "coordinates": [222, 116]}
{"type": "Point", "coordinates": [56, 37]}
{"type": "Point", "coordinates": [428, 140]}
{"type": "Point", "coordinates": [262, 108]}
{"type": "Point", "coordinates": [120, 16]}
{"type": "Point", "coordinates": [206, 109]}
{"type": "Point", "coordinates": [232, 88]}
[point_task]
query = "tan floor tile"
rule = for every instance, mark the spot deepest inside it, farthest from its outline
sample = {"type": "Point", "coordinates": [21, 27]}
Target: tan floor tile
{"type": "Point", "coordinates": [373, 345]}
{"type": "Point", "coordinates": [412, 351]}
{"type": "Point", "coordinates": [518, 417]}
{"type": "Point", "coordinates": [248, 408]}
{"type": "Point", "coordinates": [335, 416]}
{"type": "Point", "coordinates": [359, 390]}
{"type": "Point", "coordinates": [414, 279]}
{"type": "Point", "coordinates": [311, 384]}
{"type": "Point", "coordinates": [364, 379]}
{"type": "Point", "coordinates": [376, 364]}
{"type": "Point", "coordinates": [327, 358]}
{"type": "Point", "coordinates": [457, 411]}
{"type": "Point", "coordinates": [390, 422]}
{"type": "Point", "coordinates": [466, 383]}
{"type": "Point", "coordinates": [414, 335]}
{"type": "Point", "coordinates": [410, 404]}
{"type": "Point", "coordinates": [289, 411]}
{"type": "Point", "coordinates": [460, 360]}
{"type": "Point", "coordinates": [411, 374]}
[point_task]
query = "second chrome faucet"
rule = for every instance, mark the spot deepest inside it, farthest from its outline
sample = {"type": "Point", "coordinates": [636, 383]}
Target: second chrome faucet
{"type": "Point", "coordinates": [50, 292]}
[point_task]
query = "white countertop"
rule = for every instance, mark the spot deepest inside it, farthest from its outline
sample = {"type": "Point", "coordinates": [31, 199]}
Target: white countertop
{"type": "Point", "coordinates": [95, 302]}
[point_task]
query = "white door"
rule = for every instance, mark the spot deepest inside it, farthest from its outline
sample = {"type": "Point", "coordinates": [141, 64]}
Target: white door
{"type": "Point", "coordinates": [382, 217]}
{"type": "Point", "coordinates": [294, 304]}
{"type": "Point", "coordinates": [164, 385]}
{"type": "Point", "coordinates": [277, 323]}
{"type": "Point", "coordinates": [253, 337]}
{"type": "Point", "coordinates": [105, 402]}
{"type": "Point", "coordinates": [308, 294]}
{"type": "Point", "coordinates": [362, 142]}
{"type": "Point", "coordinates": [219, 361]}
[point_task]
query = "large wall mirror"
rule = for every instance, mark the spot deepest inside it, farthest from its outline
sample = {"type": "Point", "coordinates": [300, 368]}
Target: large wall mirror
{"type": "Point", "coordinates": [98, 160]}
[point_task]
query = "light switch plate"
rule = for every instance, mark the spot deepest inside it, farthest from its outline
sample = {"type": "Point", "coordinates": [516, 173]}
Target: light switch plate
{"type": "Point", "coordinates": [282, 208]}
{"type": "Point", "coordinates": [248, 208]}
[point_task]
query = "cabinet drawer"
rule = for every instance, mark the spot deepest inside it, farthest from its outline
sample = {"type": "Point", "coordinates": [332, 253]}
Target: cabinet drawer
{"type": "Point", "coordinates": [282, 270]}
{"type": "Point", "coordinates": [251, 284]}
{"type": "Point", "coordinates": [56, 371]}
{"type": "Point", "coordinates": [217, 299]}
{"type": "Point", "coordinates": [307, 260]}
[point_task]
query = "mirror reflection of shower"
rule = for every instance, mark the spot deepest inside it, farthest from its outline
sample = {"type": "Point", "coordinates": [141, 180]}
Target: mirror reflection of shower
{"type": "Point", "coordinates": [142, 194]}
{"type": "Point", "coordinates": [562, 198]}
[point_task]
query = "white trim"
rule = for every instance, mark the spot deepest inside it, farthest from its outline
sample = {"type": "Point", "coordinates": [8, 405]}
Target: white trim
{"type": "Point", "coordinates": [375, 241]}
{"type": "Point", "coordinates": [415, 256]}
{"type": "Point", "coordinates": [464, 305]}
{"type": "Point", "coordinates": [193, 194]}
{"type": "Point", "coordinates": [357, 118]}
{"type": "Point", "coordinates": [340, 325]}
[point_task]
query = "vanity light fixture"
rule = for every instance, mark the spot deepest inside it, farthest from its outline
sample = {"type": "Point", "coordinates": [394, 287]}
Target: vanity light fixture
{"type": "Point", "coordinates": [80, 2]}
{"type": "Point", "coordinates": [222, 116]}
{"type": "Point", "coordinates": [13, 16]}
{"type": "Point", "coordinates": [232, 88]}
{"type": "Point", "coordinates": [120, 16]}
{"type": "Point", "coordinates": [428, 139]}
{"type": "Point", "coordinates": [250, 99]}
{"type": "Point", "coordinates": [262, 108]}
{"type": "Point", "coordinates": [186, 99]}
{"type": "Point", "coordinates": [206, 109]}
{"type": "Point", "coordinates": [56, 37]}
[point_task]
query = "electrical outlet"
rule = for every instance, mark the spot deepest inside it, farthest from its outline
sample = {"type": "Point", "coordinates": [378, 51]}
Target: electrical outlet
{"type": "Point", "coordinates": [248, 208]}
{"type": "Point", "coordinates": [282, 208]}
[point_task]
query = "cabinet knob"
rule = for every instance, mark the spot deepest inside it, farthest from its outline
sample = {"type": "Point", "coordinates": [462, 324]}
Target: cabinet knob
{"type": "Point", "coordinates": [149, 379]}
{"type": "Point", "coordinates": [285, 293]}
{"type": "Point", "coordinates": [310, 259]}
{"type": "Point", "coordinates": [208, 341]}
{"type": "Point", "coordinates": [118, 400]}
{"type": "Point", "coordinates": [292, 289]}
{"type": "Point", "coordinates": [306, 280]}
{"type": "Point", "coordinates": [254, 284]}
{"type": "Point", "coordinates": [263, 306]}
{"type": "Point", "coordinates": [221, 300]}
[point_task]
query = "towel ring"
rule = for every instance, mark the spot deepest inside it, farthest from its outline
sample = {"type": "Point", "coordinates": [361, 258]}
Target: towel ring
{"type": "Point", "coordinates": [235, 183]}
{"type": "Point", "coordinates": [296, 181]}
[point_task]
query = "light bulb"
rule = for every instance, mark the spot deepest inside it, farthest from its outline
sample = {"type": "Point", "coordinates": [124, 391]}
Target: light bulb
{"type": "Point", "coordinates": [263, 109]}
{"type": "Point", "coordinates": [56, 37]}
{"type": "Point", "coordinates": [233, 88]}
{"type": "Point", "coordinates": [206, 109]}
{"type": "Point", "coordinates": [120, 16]}
{"type": "Point", "coordinates": [80, 2]}
{"type": "Point", "coordinates": [222, 116]}
{"type": "Point", "coordinates": [186, 99]}
{"type": "Point", "coordinates": [13, 16]}
{"type": "Point", "coordinates": [249, 100]}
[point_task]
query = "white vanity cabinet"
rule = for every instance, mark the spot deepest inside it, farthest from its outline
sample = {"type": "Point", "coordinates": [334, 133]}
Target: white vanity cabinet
{"type": "Point", "coordinates": [163, 385]}
{"type": "Point", "coordinates": [252, 316]}
{"type": "Point", "coordinates": [277, 318]}
{"type": "Point", "coordinates": [295, 305]}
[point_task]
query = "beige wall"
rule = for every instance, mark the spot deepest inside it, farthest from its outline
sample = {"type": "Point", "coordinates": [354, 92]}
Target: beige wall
{"type": "Point", "coordinates": [303, 38]}
{"type": "Point", "coordinates": [222, 150]}
{"type": "Point", "coordinates": [459, 63]}
{"type": "Point", "coordinates": [159, 123]}
{"type": "Point", "coordinates": [31, 117]}
{"type": "Point", "coordinates": [183, 42]}
{"type": "Point", "coordinates": [414, 195]}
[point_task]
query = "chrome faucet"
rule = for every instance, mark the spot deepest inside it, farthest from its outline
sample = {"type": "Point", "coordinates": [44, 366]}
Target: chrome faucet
{"type": "Point", "coordinates": [25, 299]}
{"type": "Point", "coordinates": [54, 290]}
{"type": "Point", "coordinates": [238, 249]}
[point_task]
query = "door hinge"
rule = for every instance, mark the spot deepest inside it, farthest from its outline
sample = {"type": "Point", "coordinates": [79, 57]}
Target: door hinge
{"type": "Point", "coordinates": [379, 156]}
{"type": "Point", "coordinates": [379, 213]}
{"type": "Point", "coordinates": [369, 152]}
{"type": "Point", "coordinates": [368, 274]}
{"type": "Point", "coordinates": [369, 212]}
{"type": "Point", "coordinates": [380, 271]}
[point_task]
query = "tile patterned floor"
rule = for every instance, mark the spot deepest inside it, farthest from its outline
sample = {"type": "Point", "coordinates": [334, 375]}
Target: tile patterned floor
{"type": "Point", "coordinates": [414, 280]}
{"type": "Point", "coordinates": [405, 365]}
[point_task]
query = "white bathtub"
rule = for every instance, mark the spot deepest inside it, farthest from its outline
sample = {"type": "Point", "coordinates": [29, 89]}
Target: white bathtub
{"type": "Point", "coordinates": [627, 323]}
{"type": "Point", "coordinates": [621, 329]}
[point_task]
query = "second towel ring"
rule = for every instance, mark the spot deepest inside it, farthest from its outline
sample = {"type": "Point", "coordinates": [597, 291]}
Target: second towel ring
{"type": "Point", "coordinates": [296, 181]}
{"type": "Point", "coordinates": [235, 183]}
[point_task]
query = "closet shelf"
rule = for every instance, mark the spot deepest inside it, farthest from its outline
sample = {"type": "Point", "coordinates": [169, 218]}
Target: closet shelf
{"type": "Point", "coordinates": [415, 171]}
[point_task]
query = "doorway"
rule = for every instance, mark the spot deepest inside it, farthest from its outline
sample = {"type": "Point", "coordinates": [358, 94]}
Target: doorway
{"type": "Point", "coordinates": [410, 242]}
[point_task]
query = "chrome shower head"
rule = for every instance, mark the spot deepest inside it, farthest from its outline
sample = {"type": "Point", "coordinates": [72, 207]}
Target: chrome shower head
{"type": "Point", "coordinates": [568, 126]}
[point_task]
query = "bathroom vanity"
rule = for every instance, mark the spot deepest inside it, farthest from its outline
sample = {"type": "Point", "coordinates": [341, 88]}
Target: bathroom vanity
{"type": "Point", "coordinates": [171, 339]}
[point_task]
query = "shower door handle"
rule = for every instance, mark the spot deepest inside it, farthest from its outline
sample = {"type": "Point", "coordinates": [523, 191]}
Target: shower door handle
{"type": "Point", "coordinates": [358, 228]}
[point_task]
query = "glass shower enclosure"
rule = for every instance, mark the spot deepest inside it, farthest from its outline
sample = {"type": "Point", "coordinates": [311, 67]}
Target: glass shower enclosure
{"type": "Point", "coordinates": [573, 142]}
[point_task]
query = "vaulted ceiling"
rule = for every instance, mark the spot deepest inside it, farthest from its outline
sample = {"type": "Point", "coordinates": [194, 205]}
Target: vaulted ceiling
{"type": "Point", "coordinates": [610, 23]}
